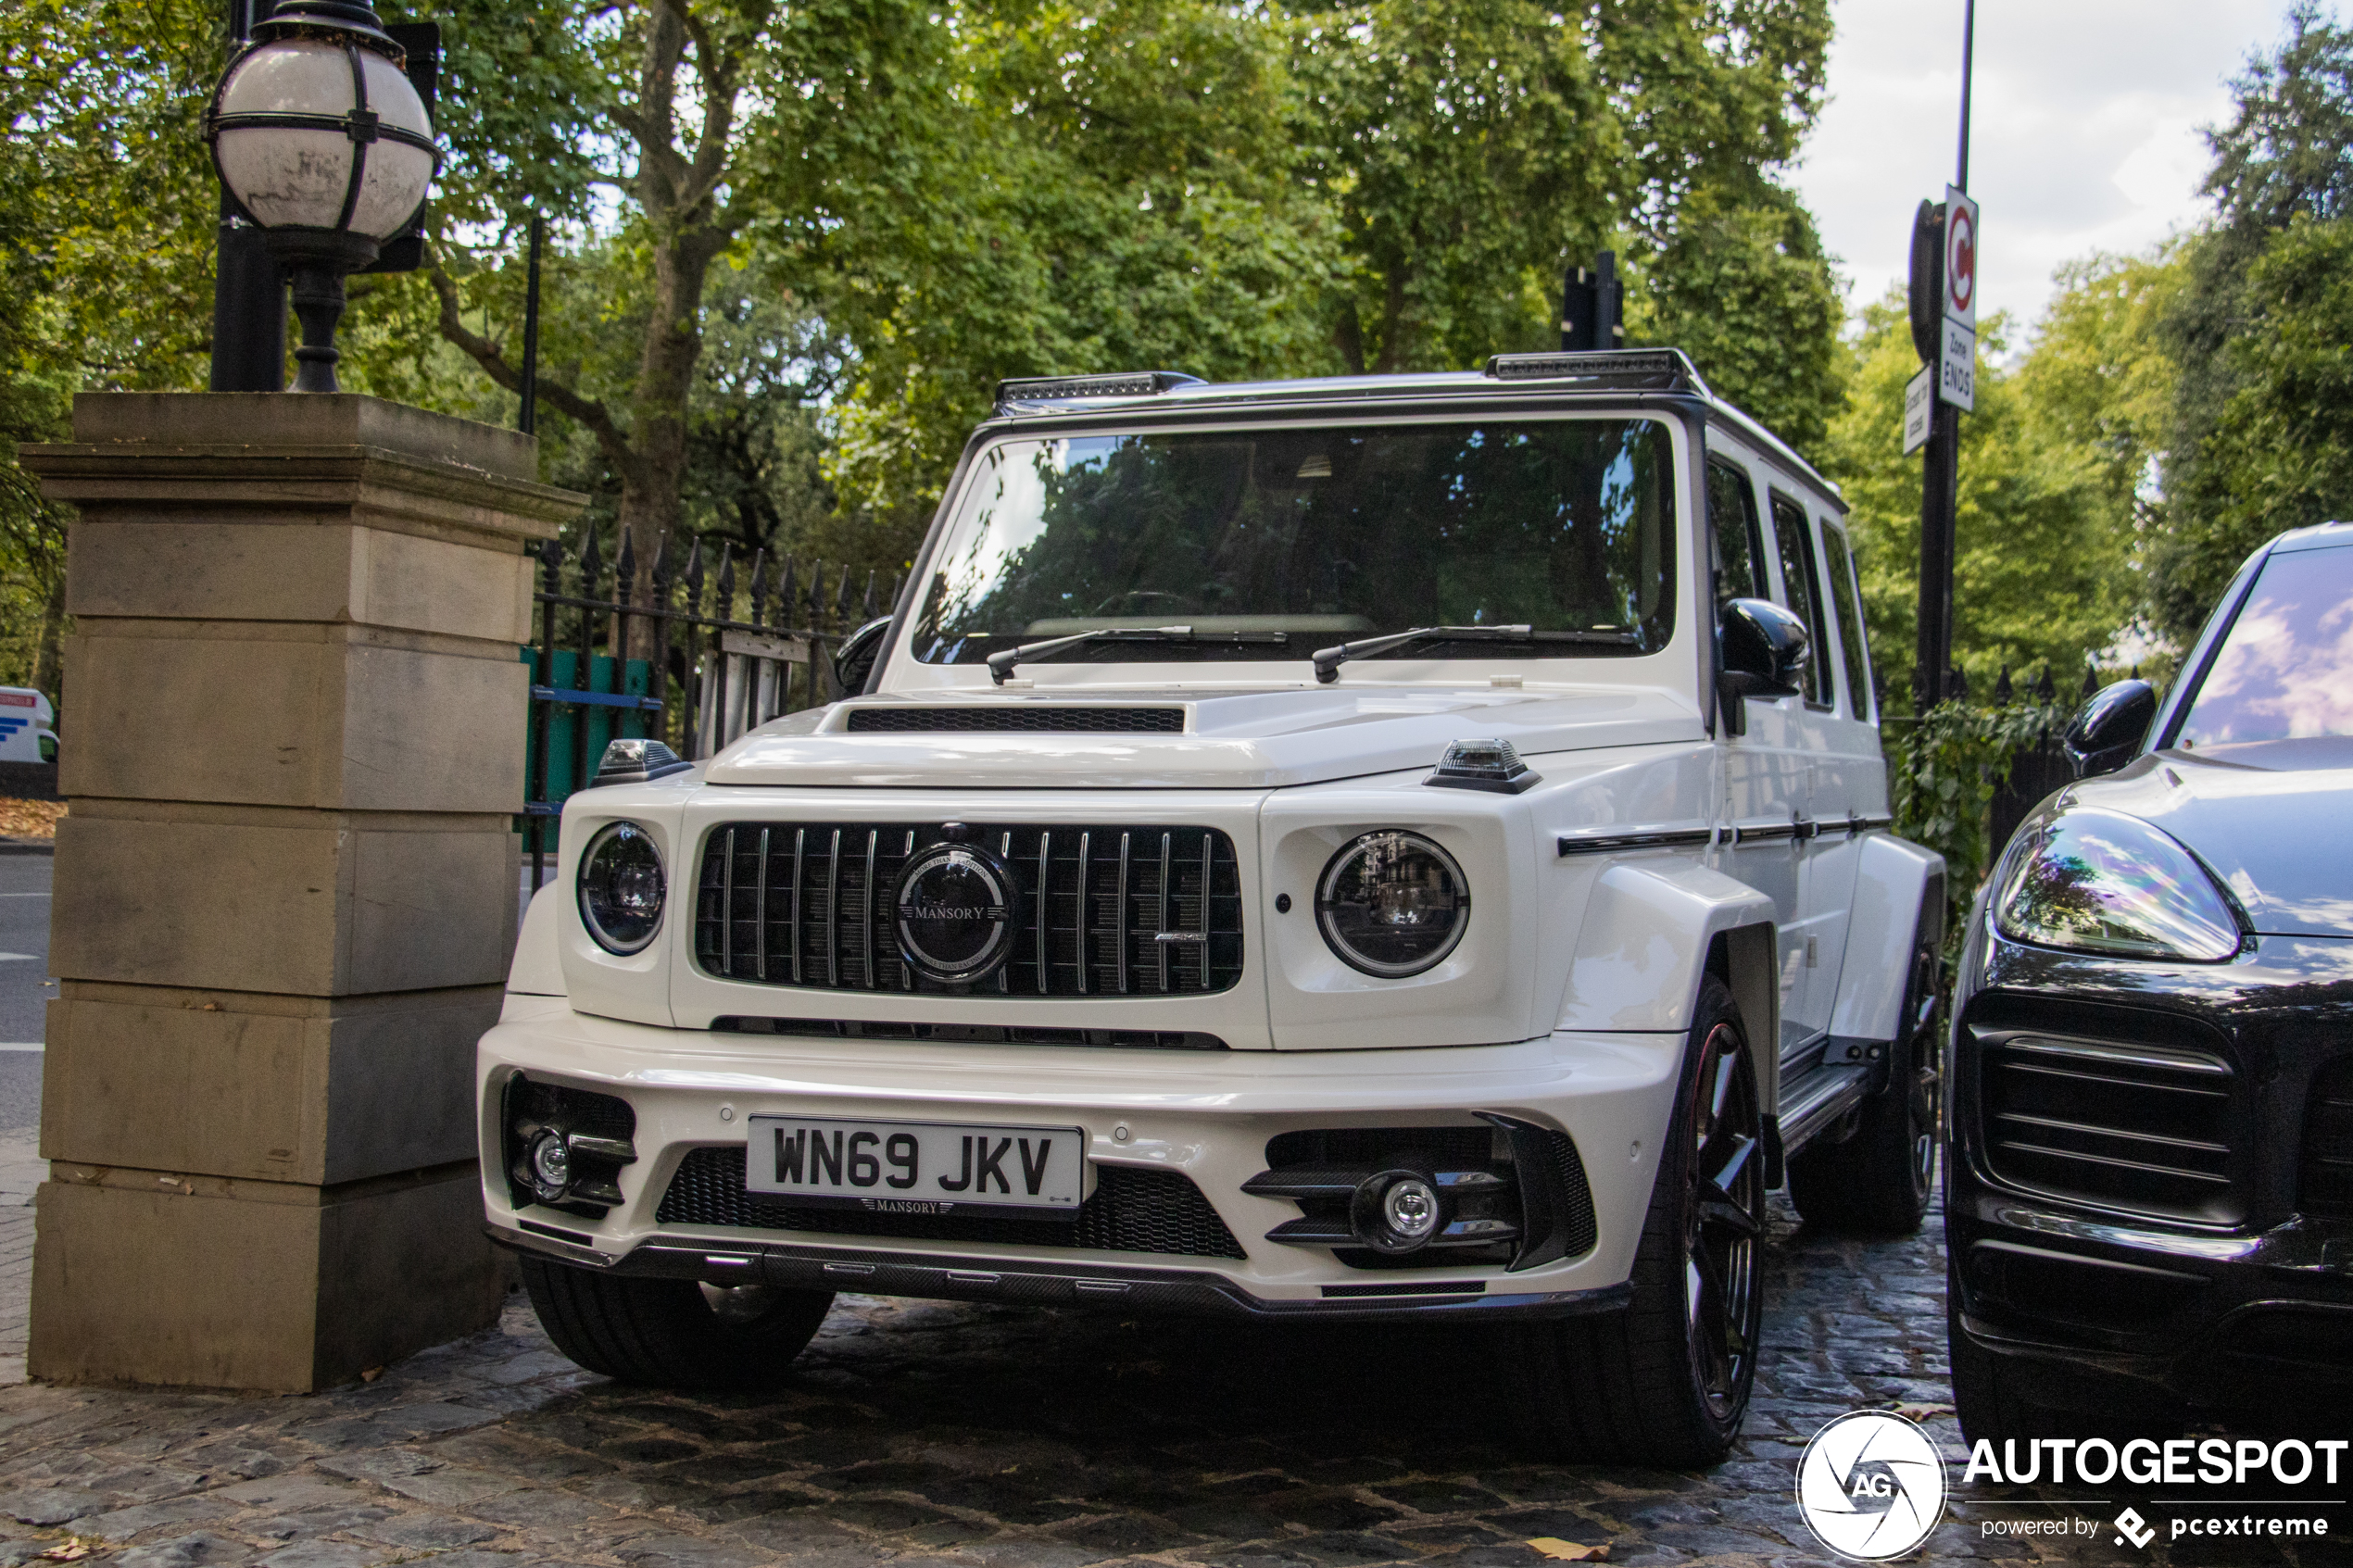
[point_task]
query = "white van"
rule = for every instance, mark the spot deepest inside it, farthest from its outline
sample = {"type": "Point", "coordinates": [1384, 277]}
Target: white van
{"type": "Point", "coordinates": [28, 726]}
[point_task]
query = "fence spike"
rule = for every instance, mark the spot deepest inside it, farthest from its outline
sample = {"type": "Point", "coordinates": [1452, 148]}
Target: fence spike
{"type": "Point", "coordinates": [786, 607]}
{"type": "Point", "coordinates": [626, 568]}
{"type": "Point", "coordinates": [551, 560]}
{"type": "Point", "coordinates": [898, 586]}
{"type": "Point", "coordinates": [2002, 691]}
{"type": "Point", "coordinates": [694, 575]}
{"type": "Point", "coordinates": [2091, 678]}
{"type": "Point", "coordinates": [841, 599]}
{"type": "Point", "coordinates": [759, 587]}
{"type": "Point", "coordinates": [867, 611]}
{"type": "Point", "coordinates": [725, 607]}
{"type": "Point", "coordinates": [1959, 685]}
{"type": "Point", "coordinates": [2044, 691]}
{"type": "Point", "coordinates": [816, 594]}
{"type": "Point", "coordinates": [591, 563]}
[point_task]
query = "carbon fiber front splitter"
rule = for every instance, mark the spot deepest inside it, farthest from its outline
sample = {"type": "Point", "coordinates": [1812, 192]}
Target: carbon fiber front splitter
{"type": "Point", "coordinates": [934, 1277]}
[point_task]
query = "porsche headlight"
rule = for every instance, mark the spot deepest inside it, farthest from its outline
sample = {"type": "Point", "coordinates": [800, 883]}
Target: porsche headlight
{"type": "Point", "coordinates": [622, 888]}
{"type": "Point", "coordinates": [2101, 882]}
{"type": "Point", "coordinates": [1393, 904]}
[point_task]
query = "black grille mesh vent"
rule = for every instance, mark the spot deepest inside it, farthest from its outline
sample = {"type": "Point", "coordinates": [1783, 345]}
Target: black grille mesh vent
{"type": "Point", "coordinates": [1578, 1227]}
{"type": "Point", "coordinates": [2326, 1179]}
{"type": "Point", "coordinates": [2142, 1127]}
{"type": "Point", "coordinates": [809, 905]}
{"type": "Point", "coordinates": [1037, 718]}
{"type": "Point", "coordinates": [1132, 1210]}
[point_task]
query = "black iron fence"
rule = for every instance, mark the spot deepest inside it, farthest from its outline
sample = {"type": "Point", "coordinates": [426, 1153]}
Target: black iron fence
{"type": "Point", "coordinates": [691, 651]}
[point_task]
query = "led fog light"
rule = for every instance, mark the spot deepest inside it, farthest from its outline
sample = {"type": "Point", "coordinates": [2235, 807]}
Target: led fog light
{"type": "Point", "coordinates": [1395, 1211]}
{"type": "Point", "coordinates": [550, 1163]}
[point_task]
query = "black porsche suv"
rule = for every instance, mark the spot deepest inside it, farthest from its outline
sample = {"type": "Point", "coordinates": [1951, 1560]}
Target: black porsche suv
{"type": "Point", "coordinates": [2149, 1174]}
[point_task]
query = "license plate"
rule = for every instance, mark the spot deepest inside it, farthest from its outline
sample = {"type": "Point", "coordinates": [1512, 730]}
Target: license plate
{"type": "Point", "coordinates": [918, 1167]}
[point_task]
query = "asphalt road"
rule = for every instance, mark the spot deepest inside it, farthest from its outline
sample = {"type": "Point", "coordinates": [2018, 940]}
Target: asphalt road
{"type": "Point", "coordinates": [24, 986]}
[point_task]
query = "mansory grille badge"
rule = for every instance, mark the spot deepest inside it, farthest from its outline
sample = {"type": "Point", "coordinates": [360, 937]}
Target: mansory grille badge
{"type": "Point", "coordinates": [955, 910]}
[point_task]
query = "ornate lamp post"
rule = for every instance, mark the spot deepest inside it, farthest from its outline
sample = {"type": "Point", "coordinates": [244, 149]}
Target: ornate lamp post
{"type": "Point", "coordinates": [322, 141]}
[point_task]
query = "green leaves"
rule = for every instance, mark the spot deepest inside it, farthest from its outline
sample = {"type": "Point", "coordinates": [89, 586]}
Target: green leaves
{"type": "Point", "coordinates": [1943, 770]}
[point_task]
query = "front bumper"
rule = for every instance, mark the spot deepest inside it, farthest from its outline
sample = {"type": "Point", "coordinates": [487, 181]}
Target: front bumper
{"type": "Point", "coordinates": [2120, 1282]}
{"type": "Point", "coordinates": [1206, 1115]}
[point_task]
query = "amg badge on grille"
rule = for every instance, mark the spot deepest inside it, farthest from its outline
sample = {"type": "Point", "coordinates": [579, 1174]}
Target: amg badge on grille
{"type": "Point", "coordinates": [954, 907]}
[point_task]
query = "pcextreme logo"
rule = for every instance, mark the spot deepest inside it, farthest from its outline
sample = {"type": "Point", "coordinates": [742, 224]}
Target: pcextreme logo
{"type": "Point", "coordinates": [1872, 1486]}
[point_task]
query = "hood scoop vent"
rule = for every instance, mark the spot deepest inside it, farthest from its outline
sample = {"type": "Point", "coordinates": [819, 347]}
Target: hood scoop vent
{"type": "Point", "coordinates": [1062, 718]}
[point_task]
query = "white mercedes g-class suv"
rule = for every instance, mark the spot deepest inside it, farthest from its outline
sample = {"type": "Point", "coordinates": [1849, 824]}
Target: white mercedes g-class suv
{"type": "Point", "coordinates": [1374, 847]}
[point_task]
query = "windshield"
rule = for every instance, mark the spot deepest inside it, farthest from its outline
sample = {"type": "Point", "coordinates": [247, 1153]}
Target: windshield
{"type": "Point", "coordinates": [2285, 670]}
{"type": "Point", "coordinates": [1266, 545]}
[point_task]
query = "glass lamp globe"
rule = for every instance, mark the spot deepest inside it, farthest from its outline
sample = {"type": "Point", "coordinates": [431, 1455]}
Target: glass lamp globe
{"type": "Point", "coordinates": [322, 142]}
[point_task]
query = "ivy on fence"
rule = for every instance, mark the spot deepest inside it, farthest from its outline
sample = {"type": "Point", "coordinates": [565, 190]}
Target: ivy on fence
{"type": "Point", "coordinates": [1943, 770]}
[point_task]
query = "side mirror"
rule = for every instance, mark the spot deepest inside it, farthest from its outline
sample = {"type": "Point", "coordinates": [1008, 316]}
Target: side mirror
{"type": "Point", "coordinates": [854, 660]}
{"type": "Point", "coordinates": [1762, 649]}
{"type": "Point", "coordinates": [2111, 727]}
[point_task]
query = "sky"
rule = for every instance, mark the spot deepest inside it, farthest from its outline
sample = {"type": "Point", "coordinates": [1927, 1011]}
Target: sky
{"type": "Point", "coordinates": [2085, 134]}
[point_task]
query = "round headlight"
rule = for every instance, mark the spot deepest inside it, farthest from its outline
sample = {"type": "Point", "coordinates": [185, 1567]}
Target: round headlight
{"type": "Point", "coordinates": [2100, 881]}
{"type": "Point", "coordinates": [1393, 904]}
{"type": "Point", "coordinates": [622, 888]}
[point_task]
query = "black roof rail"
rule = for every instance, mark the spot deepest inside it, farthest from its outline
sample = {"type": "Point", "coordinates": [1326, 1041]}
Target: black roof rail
{"type": "Point", "coordinates": [1124, 383]}
{"type": "Point", "coordinates": [1623, 369]}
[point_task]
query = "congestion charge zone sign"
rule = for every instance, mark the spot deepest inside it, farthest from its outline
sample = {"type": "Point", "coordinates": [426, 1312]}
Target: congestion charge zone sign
{"type": "Point", "coordinates": [1956, 357]}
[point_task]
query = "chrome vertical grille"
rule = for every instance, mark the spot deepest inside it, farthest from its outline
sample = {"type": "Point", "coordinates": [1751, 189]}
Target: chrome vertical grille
{"type": "Point", "coordinates": [1102, 910]}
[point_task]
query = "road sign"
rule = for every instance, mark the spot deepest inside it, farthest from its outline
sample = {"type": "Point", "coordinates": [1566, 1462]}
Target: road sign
{"type": "Point", "coordinates": [1957, 367]}
{"type": "Point", "coordinates": [1918, 404]}
{"type": "Point", "coordinates": [1960, 259]}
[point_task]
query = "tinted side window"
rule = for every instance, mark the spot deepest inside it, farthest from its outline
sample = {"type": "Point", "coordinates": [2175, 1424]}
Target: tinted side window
{"type": "Point", "coordinates": [1732, 513]}
{"type": "Point", "coordinates": [1797, 574]}
{"type": "Point", "coordinates": [1848, 598]}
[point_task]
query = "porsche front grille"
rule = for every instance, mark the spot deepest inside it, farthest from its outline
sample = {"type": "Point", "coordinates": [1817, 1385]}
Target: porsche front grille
{"type": "Point", "coordinates": [2127, 1125]}
{"type": "Point", "coordinates": [1118, 911]}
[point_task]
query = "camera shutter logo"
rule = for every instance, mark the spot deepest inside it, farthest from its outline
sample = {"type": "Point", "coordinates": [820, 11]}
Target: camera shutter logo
{"type": "Point", "coordinates": [954, 910]}
{"type": "Point", "coordinates": [1872, 1486]}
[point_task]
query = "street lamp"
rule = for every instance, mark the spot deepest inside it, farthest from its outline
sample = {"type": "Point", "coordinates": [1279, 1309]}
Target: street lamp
{"type": "Point", "coordinates": [319, 138]}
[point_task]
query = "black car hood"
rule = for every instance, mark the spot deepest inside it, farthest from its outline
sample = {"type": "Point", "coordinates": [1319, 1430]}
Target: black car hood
{"type": "Point", "coordinates": [2274, 820]}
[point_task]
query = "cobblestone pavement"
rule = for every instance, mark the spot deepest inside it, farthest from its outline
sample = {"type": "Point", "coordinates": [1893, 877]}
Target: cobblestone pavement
{"type": "Point", "coordinates": [946, 1436]}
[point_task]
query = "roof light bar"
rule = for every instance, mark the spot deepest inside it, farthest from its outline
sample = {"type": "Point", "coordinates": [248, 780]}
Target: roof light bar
{"type": "Point", "coordinates": [1056, 389]}
{"type": "Point", "coordinates": [1644, 369]}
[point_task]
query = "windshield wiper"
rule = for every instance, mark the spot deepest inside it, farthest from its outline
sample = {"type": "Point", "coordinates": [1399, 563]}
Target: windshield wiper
{"type": "Point", "coordinates": [1329, 660]}
{"type": "Point", "coordinates": [1001, 665]}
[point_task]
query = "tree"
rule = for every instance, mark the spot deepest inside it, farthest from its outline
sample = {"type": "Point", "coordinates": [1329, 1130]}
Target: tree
{"type": "Point", "coordinates": [1104, 184]}
{"type": "Point", "coordinates": [2247, 457]}
{"type": "Point", "coordinates": [2040, 567]}
{"type": "Point", "coordinates": [1474, 149]}
{"type": "Point", "coordinates": [107, 218]}
{"type": "Point", "coordinates": [705, 115]}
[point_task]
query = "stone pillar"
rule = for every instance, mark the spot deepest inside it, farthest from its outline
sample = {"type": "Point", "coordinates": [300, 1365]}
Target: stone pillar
{"type": "Point", "coordinates": [286, 883]}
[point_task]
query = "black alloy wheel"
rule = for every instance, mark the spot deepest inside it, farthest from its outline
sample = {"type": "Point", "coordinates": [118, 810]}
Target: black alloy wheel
{"type": "Point", "coordinates": [1724, 1214]}
{"type": "Point", "coordinates": [1665, 1380]}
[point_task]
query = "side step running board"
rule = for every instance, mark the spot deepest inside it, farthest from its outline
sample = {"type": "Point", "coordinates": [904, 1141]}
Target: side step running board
{"type": "Point", "coordinates": [1821, 1098]}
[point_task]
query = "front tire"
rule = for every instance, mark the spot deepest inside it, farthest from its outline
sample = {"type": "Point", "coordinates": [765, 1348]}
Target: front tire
{"type": "Point", "coordinates": [672, 1333]}
{"type": "Point", "coordinates": [1666, 1381]}
{"type": "Point", "coordinates": [1877, 1181]}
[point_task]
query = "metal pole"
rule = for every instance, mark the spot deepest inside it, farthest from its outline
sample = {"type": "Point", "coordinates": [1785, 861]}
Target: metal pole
{"type": "Point", "coordinates": [1941, 474]}
{"type": "Point", "coordinates": [1968, 48]}
{"type": "Point", "coordinates": [527, 420]}
{"type": "Point", "coordinates": [249, 291]}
